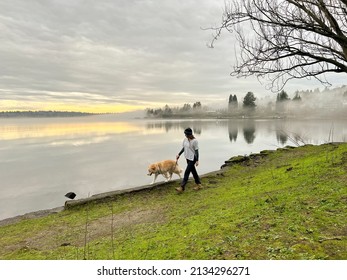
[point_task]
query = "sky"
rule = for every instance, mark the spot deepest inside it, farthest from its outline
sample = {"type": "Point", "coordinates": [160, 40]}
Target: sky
{"type": "Point", "coordinates": [119, 55]}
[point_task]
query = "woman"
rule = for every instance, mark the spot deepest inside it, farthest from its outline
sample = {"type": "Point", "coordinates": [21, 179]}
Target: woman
{"type": "Point", "coordinates": [191, 153]}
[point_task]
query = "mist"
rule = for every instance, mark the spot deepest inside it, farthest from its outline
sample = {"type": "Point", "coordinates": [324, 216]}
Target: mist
{"type": "Point", "coordinates": [308, 104]}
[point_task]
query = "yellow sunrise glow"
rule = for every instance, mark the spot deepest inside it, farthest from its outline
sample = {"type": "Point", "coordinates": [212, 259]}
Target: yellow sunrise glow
{"type": "Point", "coordinates": [13, 105]}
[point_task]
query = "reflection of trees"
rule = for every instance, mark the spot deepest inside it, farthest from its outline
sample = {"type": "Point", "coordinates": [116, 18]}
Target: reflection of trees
{"type": "Point", "coordinates": [249, 132]}
{"type": "Point", "coordinates": [281, 136]}
{"type": "Point", "coordinates": [233, 131]}
{"type": "Point", "coordinates": [197, 129]}
{"type": "Point", "coordinates": [167, 126]}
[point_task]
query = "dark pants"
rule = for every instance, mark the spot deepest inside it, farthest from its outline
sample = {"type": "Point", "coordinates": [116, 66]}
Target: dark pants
{"type": "Point", "coordinates": [190, 169]}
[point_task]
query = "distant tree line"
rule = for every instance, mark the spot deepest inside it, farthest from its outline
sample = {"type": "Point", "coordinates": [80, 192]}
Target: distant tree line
{"type": "Point", "coordinates": [41, 114]}
{"type": "Point", "coordinates": [250, 106]}
{"type": "Point", "coordinates": [306, 104]}
{"type": "Point", "coordinates": [168, 112]}
{"type": "Point", "coordinates": [283, 96]}
{"type": "Point", "coordinates": [248, 102]}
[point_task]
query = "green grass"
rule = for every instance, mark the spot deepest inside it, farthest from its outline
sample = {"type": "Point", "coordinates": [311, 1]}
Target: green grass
{"type": "Point", "coordinates": [286, 204]}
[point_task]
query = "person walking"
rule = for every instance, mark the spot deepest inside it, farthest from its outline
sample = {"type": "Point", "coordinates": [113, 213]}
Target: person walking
{"type": "Point", "coordinates": [191, 152]}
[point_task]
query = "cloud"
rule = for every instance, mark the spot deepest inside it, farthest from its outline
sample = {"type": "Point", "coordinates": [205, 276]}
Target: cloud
{"type": "Point", "coordinates": [140, 52]}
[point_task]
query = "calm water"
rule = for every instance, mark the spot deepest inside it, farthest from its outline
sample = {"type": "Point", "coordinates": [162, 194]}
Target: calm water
{"type": "Point", "coordinates": [43, 159]}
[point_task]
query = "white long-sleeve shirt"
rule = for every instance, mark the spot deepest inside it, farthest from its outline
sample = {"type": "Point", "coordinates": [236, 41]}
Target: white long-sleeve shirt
{"type": "Point", "coordinates": [191, 149]}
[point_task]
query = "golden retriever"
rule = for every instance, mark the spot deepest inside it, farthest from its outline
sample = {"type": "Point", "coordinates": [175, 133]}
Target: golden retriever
{"type": "Point", "coordinates": [165, 168]}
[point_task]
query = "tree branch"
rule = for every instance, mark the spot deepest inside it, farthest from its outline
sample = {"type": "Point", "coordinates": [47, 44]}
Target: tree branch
{"type": "Point", "coordinates": [293, 39]}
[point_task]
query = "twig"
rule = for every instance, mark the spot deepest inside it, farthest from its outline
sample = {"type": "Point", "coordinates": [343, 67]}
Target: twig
{"type": "Point", "coordinates": [329, 238]}
{"type": "Point", "coordinates": [297, 139]}
{"type": "Point", "coordinates": [331, 134]}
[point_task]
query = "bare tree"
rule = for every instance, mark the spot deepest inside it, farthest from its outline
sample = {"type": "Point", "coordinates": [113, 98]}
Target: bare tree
{"type": "Point", "coordinates": [287, 39]}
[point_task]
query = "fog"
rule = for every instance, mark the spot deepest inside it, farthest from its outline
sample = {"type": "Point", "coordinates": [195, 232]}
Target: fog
{"type": "Point", "coordinates": [313, 104]}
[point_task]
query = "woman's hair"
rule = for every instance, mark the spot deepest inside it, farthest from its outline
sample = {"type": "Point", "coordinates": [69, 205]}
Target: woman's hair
{"type": "Point", "coordinates": [189, 133]}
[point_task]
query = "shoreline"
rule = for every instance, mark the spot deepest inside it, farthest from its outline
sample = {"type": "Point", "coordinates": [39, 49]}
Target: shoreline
{"type": "Point", "coordinates": [111, 194]}
{"type": "Point", "coordinates": [96, 197]}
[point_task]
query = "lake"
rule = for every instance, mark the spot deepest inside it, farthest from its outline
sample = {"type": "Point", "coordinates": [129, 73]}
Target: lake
{"type": "Point", "coordinates": [41, 159]}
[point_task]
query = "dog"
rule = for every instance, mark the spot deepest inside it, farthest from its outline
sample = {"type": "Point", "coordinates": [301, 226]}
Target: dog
{"type": "Point", "coordinates": [165, 168]}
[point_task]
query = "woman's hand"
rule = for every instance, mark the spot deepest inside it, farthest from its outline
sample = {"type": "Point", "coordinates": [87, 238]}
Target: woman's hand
{"type": "Point", "coordinates": [197, 163]}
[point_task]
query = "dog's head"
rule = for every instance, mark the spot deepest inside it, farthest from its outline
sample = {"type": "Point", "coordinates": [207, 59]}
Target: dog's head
{"type": "Point", "coordinates": [152, 169]}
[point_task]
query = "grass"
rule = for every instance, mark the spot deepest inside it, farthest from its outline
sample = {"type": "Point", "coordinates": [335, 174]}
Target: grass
{"type": "Point", "coordinates": [285, 204]}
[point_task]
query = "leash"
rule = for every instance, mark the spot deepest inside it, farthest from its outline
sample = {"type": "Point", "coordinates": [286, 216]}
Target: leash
{"type": "Point", "coordinates": [176, 163]}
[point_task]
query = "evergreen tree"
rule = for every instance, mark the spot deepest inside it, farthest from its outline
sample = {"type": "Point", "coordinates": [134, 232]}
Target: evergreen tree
{"type": "Point", "coordinates": [235, 101]}
{"type": "Point", "coordinates": [149, 112]}
{"type": "Point", "coordinates": [297, 97]}
{"type": "Point", "coordinates": [197, 105]}
{"type": "Point", "coordinates": [186, 107]}
{"type": "Point", "coordinates": [167, 111]}
{"type": "Point", "coordinates": [230, 99]}
{"type": "Point", "coordinates": [282, 96]}
{"type": "Point", "coordinates": [233, 104]}
{"type": "Point", "coordinates": [249, 101]}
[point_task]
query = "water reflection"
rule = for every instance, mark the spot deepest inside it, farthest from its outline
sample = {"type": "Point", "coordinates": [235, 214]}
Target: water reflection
{"type": "Point", "coordinates": [285, 132]}
{"type": "Point", "coordinates": [42, 159]}
{"type": "Point", "coordinates": [249, 131]}
{"type": "Point", "coordinates": [175, 125]}
{"type": "Point", "coordinates": [56, 128]}
{"type": "Point", "coordinates": [233, 131]}
{"type": "Point", "coordinates": [282, 137]}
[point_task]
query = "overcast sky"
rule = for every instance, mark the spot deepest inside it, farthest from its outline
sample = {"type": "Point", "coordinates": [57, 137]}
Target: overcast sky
{"type": "Point", "coordinates": [117, 55]}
